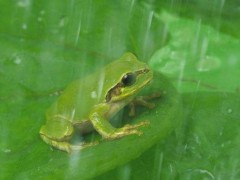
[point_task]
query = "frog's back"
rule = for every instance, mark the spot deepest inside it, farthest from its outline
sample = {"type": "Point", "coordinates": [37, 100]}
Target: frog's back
{"type": "Point", "coordinates": [82, 95]}
{"type": "Point", "coordinates": [77, 100]}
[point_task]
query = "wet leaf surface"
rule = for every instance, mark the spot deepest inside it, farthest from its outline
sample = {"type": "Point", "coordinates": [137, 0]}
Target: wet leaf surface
{"type": "Point", "coordinates": [45, 45]}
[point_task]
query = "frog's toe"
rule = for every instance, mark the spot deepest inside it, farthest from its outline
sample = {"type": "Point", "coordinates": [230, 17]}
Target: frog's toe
{"type": "Point", "coordinates": [124, 132]}
{"type": "Point", "coordinates": [134, 126]}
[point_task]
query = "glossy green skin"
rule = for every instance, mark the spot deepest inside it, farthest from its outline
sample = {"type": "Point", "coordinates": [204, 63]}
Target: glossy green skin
{"type": "Point", "coordinates": [84, 105]}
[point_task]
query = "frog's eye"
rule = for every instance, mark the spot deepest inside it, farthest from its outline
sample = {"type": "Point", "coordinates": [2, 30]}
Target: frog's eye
{"type": "Point", "coordinates": [129, 79]}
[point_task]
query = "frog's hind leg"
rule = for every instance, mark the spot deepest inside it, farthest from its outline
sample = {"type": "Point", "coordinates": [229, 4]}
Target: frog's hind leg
{"type": "Point", "coordinates": [58, 132]}
{"type": "Point", "coordinates": [66, 146]}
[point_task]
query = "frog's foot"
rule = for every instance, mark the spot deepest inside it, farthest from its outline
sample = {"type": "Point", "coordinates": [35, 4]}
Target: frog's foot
{"type": "Point", "coordinates": [142, 101]}
{"type": "Point", "coordinates": [127, 130]}
{"type": "Point", "coordinates": [58, 133]}
{"type": "Point", "coordinates": [64, 146]}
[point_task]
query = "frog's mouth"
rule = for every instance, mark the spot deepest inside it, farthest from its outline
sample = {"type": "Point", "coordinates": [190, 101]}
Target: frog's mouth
{"type": "Point", "coordinates": [129, 85]}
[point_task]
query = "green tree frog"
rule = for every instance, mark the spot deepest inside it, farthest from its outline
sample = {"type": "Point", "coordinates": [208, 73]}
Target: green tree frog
{"type": "Point", "coordinates": [88, 104]}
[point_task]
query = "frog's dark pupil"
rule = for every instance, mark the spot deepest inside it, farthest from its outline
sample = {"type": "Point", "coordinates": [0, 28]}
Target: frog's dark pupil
{"type": "Point", "coordinates": [129, 79]}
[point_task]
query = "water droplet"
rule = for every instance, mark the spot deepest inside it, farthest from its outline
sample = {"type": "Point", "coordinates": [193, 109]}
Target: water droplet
{"type": "Point", "coordinates": [94, 94]}
{"type": "Point", "coordinates": [42, 12]}
{"type": "Point", "coordinates": [221, 133]}
{"type": "Point", "coordinates": [40, 19]}
{"type": "Point", "coordinates": [197, 139]}
{"type": "Point", "coordinates": [24, 26]}
{"type": "Point", "coordinates": [6, 150]}
{"type": "Point", "coordinates": [57, 93]}
{"type": "Point", "coordinates": [17, 60]}
{"type": "Point", "coordinates": [23, 3]}
{"type": "Point", "coordinates": [62, 22]}
{"type": "Point", "coordinates": [233, 60]}
{"type": "Point", "coordinates": [229, 110]}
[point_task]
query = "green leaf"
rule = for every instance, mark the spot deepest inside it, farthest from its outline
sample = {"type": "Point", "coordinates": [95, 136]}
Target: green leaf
{"type": "Point", "coordinates": [21, 142]}
{"type": "Point", "coordinates": [206, 146]}
{"type": "Point", "coordinates": [198, 56]}
{"type": "Point", "coordinates": [46, 44]}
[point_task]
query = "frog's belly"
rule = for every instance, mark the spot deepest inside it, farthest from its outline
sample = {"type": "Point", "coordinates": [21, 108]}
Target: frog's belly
{"type": "Point", "coordinates": [84, 126]}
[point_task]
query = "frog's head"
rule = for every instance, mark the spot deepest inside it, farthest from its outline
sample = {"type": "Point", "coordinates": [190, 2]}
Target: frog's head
{"type": "Point", "coordinates": [126, 76]}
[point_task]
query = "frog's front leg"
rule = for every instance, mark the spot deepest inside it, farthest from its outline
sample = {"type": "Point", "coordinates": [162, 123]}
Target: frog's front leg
{"type": "Point", "coordinates": [107, 131]}
{"type": "Point", "coordinates": [142, 101]}
{"type": "Point", "coordinates": [57, 132]}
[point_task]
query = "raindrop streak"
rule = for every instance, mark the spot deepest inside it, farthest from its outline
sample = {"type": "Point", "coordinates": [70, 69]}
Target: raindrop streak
{"type": "Point", "coordinates": [204, 48]}
{"type": "Point", "coordinates": [100, 85]}
{"type": "Point", "coordinates": [27, 5]}
{"type": "Point", "coordinates": [204, 171]}
{"type": "Point", "coordinates": [73, 163]}
{"type": "Point", "coordinates": [181, 71]}
{"type": "Point", "coordinates": [62, 22]}
{"type": "Point", "coordinates": [149, 23]}
{"type": "Point", "coordinates": [197, 139]}
{"type": "Point", "coordinates": [207, 62]}
{"type": "Point", "coordinates": [131, 6]}
{"type": "Point", "coordinates": [198, 85]}
{"type": "Point", "coordinates": [78, 32]}
{"type": "Point", "coordinates": [160, 162]}
{"type": "Point", "coordinates": [125, 172]}
{"type": "Point", "coordinates": [73, 113]}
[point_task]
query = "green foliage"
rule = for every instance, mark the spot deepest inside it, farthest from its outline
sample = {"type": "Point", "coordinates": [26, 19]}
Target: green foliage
{"type": "Point", "coordinates": [46, 44]}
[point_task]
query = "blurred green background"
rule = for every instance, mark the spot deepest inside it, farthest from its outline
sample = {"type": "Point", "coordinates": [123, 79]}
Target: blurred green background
{"type": "Point", "coordinates": [44, 45]}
